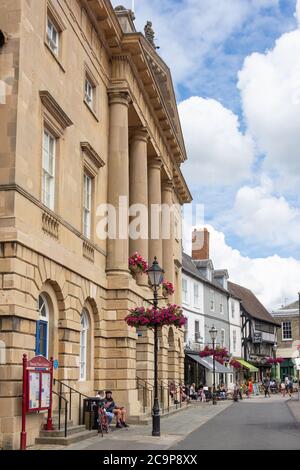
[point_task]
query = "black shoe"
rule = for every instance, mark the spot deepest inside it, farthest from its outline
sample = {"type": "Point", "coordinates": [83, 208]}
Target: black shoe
{"type": "Point", "coordinates": [125, 425]}
{"type": "Point", "coordinates": [118, 425]}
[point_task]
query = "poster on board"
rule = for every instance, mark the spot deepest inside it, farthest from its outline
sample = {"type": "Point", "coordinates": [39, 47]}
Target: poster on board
{"type": "Point", "coordinates": [34, 390]}
{"type": "Point", "coordinates": [45, 390]}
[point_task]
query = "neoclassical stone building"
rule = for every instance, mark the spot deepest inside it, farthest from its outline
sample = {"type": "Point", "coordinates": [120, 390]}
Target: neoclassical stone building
{"type": "Point", "coordinates": [88, 115]}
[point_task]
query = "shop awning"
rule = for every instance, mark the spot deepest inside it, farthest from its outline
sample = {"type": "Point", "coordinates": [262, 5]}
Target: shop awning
{"type": "Point", "coordinates": [207, 362]}
{"type": "Point", "coordinates": [247, 365]}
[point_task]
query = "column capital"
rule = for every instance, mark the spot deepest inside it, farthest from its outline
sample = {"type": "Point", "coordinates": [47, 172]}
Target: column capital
{"type": "Point", "coordinates": [168, 185]}
{"type": "Point", "coordinates": [155, 162]}
{"type": "Point", "coordinates": [119, 97]}
{"type": "Point", "coordinates": [139, 133]}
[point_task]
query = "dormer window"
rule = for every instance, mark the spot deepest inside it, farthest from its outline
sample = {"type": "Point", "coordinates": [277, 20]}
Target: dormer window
{"type": "Point", "coordinates": [52, 36]}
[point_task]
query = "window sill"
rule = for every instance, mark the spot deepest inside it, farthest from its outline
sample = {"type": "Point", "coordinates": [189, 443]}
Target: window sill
{"type": "Point", "coordinates": [286, 340]}
{"type": "Point", "coordinates": [55, 56]}
{"type": "Point", "coordinates": [91, 110]}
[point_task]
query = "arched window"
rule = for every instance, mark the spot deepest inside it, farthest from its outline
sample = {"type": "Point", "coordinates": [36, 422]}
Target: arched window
{"type": "Point", "coordinates": [42, 327]}
{"type": "Point", "coordinates": [84, 321]}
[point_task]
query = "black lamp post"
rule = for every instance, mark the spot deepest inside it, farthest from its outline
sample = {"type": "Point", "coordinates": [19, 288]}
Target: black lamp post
{"type": "Point", "coordinates": [213, 334]}
{"type": "Point", "coordinates": [155, 276]}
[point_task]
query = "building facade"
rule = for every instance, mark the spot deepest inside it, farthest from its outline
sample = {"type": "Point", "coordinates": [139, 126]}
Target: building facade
{"type": "Point", "coordinates": [258, 329]}
{"type": "Point", "coordinates": [88, 118]}
{"type": "Point", "coordinates": [288, 338]}
{"type": "Point", "coordinates": [215, 310]}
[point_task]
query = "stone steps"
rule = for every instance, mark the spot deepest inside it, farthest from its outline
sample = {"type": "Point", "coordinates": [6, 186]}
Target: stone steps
{"type": "Point", "coordinates": [51, 439]}
{"type": "Point", "coordinates": [61, 433]}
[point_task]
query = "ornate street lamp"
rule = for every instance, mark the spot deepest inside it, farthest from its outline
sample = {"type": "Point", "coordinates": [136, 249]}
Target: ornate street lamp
{"type": "Point", "coordinates": [155, 277]}
{"type": "Point", "coordinates": [213, 334]}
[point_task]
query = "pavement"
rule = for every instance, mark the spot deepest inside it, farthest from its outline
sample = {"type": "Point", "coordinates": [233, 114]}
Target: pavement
{"type": "Point", "coordinates": [138, 437]}
{"type": "Point", "coordinates": [257, 423]}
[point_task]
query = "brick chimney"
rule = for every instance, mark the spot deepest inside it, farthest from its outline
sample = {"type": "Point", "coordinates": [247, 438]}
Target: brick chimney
{"type": "Point", "coordinates": [200, 244]}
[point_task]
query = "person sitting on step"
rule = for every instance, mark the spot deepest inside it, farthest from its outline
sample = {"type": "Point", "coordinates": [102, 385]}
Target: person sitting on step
{"type": "Point", "coordinates": [118, 412]}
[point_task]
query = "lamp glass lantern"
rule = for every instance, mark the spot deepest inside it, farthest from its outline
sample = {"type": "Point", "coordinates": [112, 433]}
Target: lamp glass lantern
{"type": "Point", "coordinates": [213, 333]}
{"type": "Point", "coordinates": [155, 275]}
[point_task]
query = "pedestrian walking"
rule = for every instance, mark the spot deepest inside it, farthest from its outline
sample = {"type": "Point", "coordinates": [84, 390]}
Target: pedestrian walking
{"type": "Point", "coordinates": [283, 389]}
{"type": "Point", "coordinates": [250, 388]}
{"type": "Point", "coordinates": [266, 384]}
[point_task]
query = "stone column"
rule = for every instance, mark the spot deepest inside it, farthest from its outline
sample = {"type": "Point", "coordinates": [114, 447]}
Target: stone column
{"type": "Point", "coordinates": [168, 230]}
{"type": "Point", "coordinates": [118, 180]}
{"type": "Point", "coordinates": [138, 177]}
{"type": "Point", "coordinates": [154, 201]}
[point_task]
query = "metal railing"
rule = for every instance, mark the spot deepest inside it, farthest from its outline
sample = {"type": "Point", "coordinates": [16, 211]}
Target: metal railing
{"type": "Point", "coordinates": [164, 390]}
{"type": "Point", "coordinates": [147, 393]}
{"type": "Point", "coordinates": [60, 398]}
{"type": "Point", "coordinates": [70, 392]}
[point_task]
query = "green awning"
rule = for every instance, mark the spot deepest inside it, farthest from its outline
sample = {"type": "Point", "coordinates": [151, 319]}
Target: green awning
{"type": "Point", "coordinates": [247, 365]}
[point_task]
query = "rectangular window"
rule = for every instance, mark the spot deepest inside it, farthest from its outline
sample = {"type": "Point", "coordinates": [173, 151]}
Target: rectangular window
{"type": "Point", "coordinates": [184, 290]}
{"type": "Point", "coordinates": [232, 309]}
{"type": "Point", "coordinates": [286, 330]}
{"type": "Point", "coordinates": [234, 340]}
{"type": "Point", "coordinates": [52, 36]}
{"type": "Point", "coordinates": [212, 300]}
{"type": "Point", "coordinates": [197, 331]}
{"type": "Point", "coordinates": [221, 307]}
{"type": "Point", "coordinates": [87, 205]}
{"type": "Point", "coordinates": [222, 338]}
{"type": "Point", "coordinates": [196, 295]}
{"type": "Point", "coordinates": [48, 175]}
{"type": "Point", "coordinates": [89, 91]}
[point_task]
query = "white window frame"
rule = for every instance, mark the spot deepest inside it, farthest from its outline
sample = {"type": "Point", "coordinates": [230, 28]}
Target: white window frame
{"type": "Point", "coordinates": [48, 170]}
{"type": "Point", "coordinates": [223, 339]}
{"type": "Point", "coordinates": [283, 329]}
{"type": "Point", "coordinates": [184, 291]}
{"type": "Point", "coordinates": [232, 309]}
{"type": "Point", "coordinates": [196, 295]}
{"type": "Point", "coordinates": [234, 340]}
{"type": "Point", "coordinates": [84, 323]}
{"type": "Point", "coordinates": [89, 92]}
{"type": "Point", "coordinates": [87, 205]}
{"type": "Point", "coordinates": [51, 31]}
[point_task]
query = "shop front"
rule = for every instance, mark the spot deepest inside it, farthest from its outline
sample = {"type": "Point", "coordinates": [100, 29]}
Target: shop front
{"type": "Point", "coordinates": [287, 369]}
{"type": "Point", "coordinates": [194, 371]}
{"type": "Point", "coordinates": [247, 371]}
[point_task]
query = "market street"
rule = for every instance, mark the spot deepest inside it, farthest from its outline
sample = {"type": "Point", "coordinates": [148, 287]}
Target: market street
{"type": "Point", "coordinates": [261, 424]}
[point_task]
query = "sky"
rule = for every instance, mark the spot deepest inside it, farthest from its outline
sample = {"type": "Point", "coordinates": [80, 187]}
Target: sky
{"type": "Point", "coordinates": [236, 71]}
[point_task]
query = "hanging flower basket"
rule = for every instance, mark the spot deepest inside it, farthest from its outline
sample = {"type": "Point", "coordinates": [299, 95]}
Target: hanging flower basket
{"type": "Point", "coordinates": [171, 315]}
{"type": "Point", "coordinates": [273, 362]}
{"type": "Point", "coordinates": [167, 289]}
{"type": "Point", "coordinates": [137, 264]}
{"type": "Point", "coordinates": [221, 354]}
{"type": "Point", "coordinates": [235, 364]}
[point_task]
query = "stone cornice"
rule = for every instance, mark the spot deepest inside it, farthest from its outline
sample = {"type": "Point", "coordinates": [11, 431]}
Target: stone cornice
{"type": "Point", "coordinates": [54, 109]}
{"type": "Point", "coordinates": [92, 154]}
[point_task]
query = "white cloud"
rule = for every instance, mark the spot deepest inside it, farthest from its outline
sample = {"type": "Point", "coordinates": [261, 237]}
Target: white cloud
{"type": "Point", "coordinates": [260, 216]}
{"type": "Point", "coordinates": [218, 152]}
{"type": "Point", "coordinates": [272, 279]}
{"type": "Point", "coordinates": [270, 91]}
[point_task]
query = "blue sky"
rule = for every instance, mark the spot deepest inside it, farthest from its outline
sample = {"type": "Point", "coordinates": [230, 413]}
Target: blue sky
{"type": "Point", "coordinates": [236, 71]}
